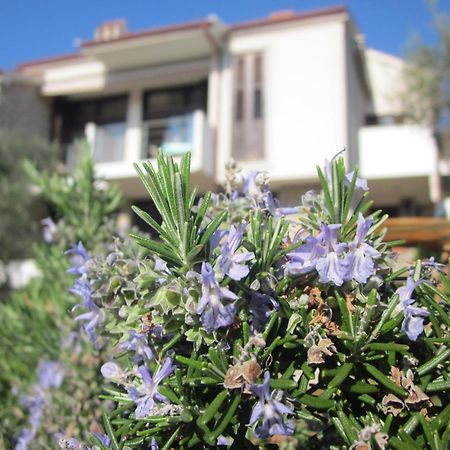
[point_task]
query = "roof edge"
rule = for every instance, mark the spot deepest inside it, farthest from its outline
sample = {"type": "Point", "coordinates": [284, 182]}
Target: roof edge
{"type": "Point", "coordinates": [292, 18]}
{"type": "Point", "coordinates": [48, 60]}
{"type": "Point", "coordinates": [147, 33]}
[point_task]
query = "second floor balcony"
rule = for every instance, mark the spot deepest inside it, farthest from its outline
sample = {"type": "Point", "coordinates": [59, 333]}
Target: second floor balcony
{"type": "Point", "coordinates": [133, 128]}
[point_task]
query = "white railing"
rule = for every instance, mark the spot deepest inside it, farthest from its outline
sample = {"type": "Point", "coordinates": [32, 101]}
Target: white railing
{"type": "Point", "coordinates": [394, 151]}
{"type": "Point", "coordinates": [174, 135]}
{"type": "Point", "coordinates": [177, 135]}
{"type": "Point", "coordinates": [106, 143]}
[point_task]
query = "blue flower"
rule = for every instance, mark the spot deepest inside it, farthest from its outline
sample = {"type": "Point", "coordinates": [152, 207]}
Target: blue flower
{"type": "Point", "coordinates": [154, 445]}
{"type": "Point", "coordinates": [82, 288]}
{"type": "Point", "coordinates": [139, 345]}
{"type": "Point", "coordinates": [304, 259]}
{"type": "Point", "coordinates": [49, 229]}
{"type": "Point", "coordinates": [360, 183]}
{"type": "Point", "coordinates": [25, 437]}
{"type": "Point", "coordinates": [330, 266]}
{"type": "Point", "coordinates": [79, 257]}
{"type": "Point", "coordinates": [250, 187]}
{"type": "Point", "coordinates": [254, 187]}
{"type": "Point", "coordinates": [261, 307]}
{"type": "Point", "coordinates": [272, 204]}
{"type": "Point", "coordinates": [103, 438]}
{"type": "Point", "coordinates": [322, 253]}
{"type": "Point", "coordinates": [215, 313]}
{"type": "Point", "coordinates": [93, 318]}
{"type": "Point", "coordinates": [359, 260]}
{"type": "Point", "coordinates": [215, 239]}
{"type": "Point", "coordinates": [145, 395]}
{"type": "Point", "coordinates": [51, 374]}
{"type": "Point", "coordinates": [413, 319]}
{"type": "Point", "coordinates": [269, 412]}
{"type": "Point", "coordinates": [230, 262]}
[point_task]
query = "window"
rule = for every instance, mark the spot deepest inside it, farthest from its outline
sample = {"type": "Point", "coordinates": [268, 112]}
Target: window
{"type": "Point", "coordinates": [179, 100]}
{"type": "Point", "coordinates": [248, 99]}
{"type": "Point", "coordinates": [168, 116]}
{"type": "Point", "coordinates": [103, 120]}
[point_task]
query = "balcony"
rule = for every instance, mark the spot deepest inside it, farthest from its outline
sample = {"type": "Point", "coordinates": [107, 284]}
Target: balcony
{"type": "Point", "coordinates": [406, 155]}
{"type": "Point", "coordinates": [393, 151]}
{"type": "Point", "coordinates": [115, 147]}
{"type": "Point", "coordinates": [173, 135]}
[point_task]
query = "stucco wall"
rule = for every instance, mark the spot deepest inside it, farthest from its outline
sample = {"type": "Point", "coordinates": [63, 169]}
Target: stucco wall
{"type": "Point", "coordinates": [305, 103]}
{"type": "Point", "coordinates": [385, 74]}
{"type": "Point", "coordinates": [358, 102]}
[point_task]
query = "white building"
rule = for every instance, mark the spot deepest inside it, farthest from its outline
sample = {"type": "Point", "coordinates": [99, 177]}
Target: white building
{"type": "Point", "coordinates": [279, 94]}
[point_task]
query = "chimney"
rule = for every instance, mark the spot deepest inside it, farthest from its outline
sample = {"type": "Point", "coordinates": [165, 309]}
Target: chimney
{"type": "Point", "coordinates": [281, 15]}
{"type": "Point", "coordinates": [108, 31]}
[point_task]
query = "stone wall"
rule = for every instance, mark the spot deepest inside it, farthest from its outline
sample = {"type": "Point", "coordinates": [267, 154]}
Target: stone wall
{"type": "Point", "coordinates": [23, 109]}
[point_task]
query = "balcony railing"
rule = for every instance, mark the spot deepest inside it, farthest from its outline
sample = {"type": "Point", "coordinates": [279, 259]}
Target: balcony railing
{"type": "Point", "coordinates": [174, 135]}
{"type": "Point", "coordinates": [115, 148]}
{"type": "Point", "coordinates": [109, 142]}
{"type": "Point", "coordinates": [106, 142]}
{"type": "Point", "coordinates": [393, 151]}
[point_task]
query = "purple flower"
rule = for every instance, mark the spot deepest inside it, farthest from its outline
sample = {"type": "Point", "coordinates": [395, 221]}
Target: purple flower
{"type": "Point", "coordinates": [359, 260]}
{"type": "Point", "coordinates": [139, 345]}
{"type": "Point", "coordinates": [93, 318]}
{"type": "Point", "coordinates": [215, 239]}
{"type": "Point", "coordinates": [230, 262]}
{"type": "Point", "coordinates": [214, 313]}
{"type": "Point", "coordinates": [254, 187]}
{"type": "Point", "coordinates": [412, 323]}
{"type": "Point", "coordinates": [223, 441]}
{"type": "Point", "coordinates": [304, 258]}
{"type": "Point", "coordinates": [82, 288]}
{"type": "Point", "coordinates": [145, 395]}
{"type": "Point", "coordinates": [103, 438]}
{"type": "Point", "coordinates": [25, 437]}
{"type": "Point", "coordinates": [79, 257]}
{"type": "Point", "coordinates": [329, 265]}
{"type": "Point", "coordinates": [72, 444]}
{"type": "Point", "coordinates": [322, 253]}
{"type": "Point", "coordinates": [51, 374]}
{"type": "Point", "coordinates": [250, 187]}
{"type": "Point", "coordinates": [261, 307]}
{"type": "Point", "coordinates": [269, 412]}
{"type": "Point", "coordinates": [111, 370]}
{"type": "Point", "coordinates": [49, 229]}
{"type": "Point", "coordinates": [154, 445]}
{"type": "Point", "coordinates": [360, 183]}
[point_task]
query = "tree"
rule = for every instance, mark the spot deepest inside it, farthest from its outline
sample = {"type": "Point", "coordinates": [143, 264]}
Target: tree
{"type": "Point", "coordinates": [426, 93]}
{"type": "Point", "coordinates": [19, 206]}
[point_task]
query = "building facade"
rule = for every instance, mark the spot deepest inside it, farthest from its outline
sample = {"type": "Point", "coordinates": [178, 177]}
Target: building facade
{"type": "Point", "coordinates": [280, 94]}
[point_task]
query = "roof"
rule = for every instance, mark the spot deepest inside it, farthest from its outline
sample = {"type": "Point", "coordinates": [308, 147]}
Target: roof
{"type": "Point", "coordinates": [151, 32]}
{"type": "Point", "coordinates": [276, 18]}
{"type": "Point", "coordinates": [288, 17]}
{"type": "Point", "coordinates": [49, 60]}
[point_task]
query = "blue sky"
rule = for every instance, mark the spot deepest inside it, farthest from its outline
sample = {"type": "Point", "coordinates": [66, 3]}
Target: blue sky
{"type": "Point", "coordinates": [31, 29]}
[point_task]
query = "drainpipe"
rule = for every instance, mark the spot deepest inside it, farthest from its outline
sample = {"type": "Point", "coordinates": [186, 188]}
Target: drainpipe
{"type": "Point", "coordinates": [217, 50]}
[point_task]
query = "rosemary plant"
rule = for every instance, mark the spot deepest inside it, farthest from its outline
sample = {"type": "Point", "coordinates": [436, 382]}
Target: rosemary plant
{"type": "Point", "coordinates": [245, 327]}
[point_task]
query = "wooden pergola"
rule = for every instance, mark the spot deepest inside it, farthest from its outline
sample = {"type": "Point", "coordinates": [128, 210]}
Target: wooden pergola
{"type": "Point", "coordinates": [432, 232]}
